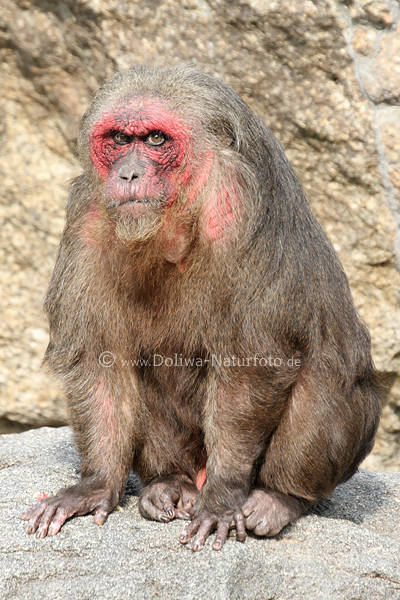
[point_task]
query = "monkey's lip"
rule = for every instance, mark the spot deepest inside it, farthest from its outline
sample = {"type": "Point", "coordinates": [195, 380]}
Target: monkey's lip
{"type": "Point", "coordinates": [135, 207]}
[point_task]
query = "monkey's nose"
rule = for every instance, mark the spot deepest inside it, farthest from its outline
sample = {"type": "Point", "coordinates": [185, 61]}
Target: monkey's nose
{"type": "Point", "coordinates": [129, 173]}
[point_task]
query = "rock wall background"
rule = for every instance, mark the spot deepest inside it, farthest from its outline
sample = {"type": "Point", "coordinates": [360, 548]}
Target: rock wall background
{"type": "Point", "coordinates": [324, 75]}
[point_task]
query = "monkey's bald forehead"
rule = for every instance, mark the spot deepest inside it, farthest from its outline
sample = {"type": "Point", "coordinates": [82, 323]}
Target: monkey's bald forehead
{"type": "Point", "coordinates": [138, 115]}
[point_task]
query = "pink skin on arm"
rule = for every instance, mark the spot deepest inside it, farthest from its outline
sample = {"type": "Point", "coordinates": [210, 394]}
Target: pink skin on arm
{"type": "Point", "coordinates": [105, 410]}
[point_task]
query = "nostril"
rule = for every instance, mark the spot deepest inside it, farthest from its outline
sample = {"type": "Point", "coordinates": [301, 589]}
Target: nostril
{"type": "Point", "coordinates": [128, 174]}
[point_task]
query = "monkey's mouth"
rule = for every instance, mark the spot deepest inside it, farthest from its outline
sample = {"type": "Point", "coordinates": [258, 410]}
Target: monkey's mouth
{"type": "Point", "coordinates": [136, 207]}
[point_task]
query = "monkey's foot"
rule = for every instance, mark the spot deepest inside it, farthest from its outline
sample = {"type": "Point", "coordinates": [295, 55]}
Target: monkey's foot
{"type": "Point", "coordinates": [168, 497]}
{"type": "Point", "coordinates": [48, 516]}
{"type": "Point", "coordinates": [206, 522]}
{"type": "Point", "coordinates": [267, 512]}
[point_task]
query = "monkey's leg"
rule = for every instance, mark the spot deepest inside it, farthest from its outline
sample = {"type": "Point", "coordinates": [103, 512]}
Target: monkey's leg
{"type": "Point", "coordinates": [267, 512]}
{"type": "Point", "coordinates": [322, 437]}
{"type": "Point", "coordinates": [104, 432]}
{"type": "Point", "coordinates": [234, 437]}
{"type": "Point", "coordinates": [168, 497]}
{"type": "Point", "coordinates": [172, 453]}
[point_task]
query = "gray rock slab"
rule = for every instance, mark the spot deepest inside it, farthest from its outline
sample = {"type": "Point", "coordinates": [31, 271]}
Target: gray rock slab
{"type": "Point", "coordinates": [348, 548]}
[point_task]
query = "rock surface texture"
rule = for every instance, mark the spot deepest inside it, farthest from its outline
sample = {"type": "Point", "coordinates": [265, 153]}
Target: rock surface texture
{"type": "Point", "coordinates": [325, 76]}
{"type": "Point", "coordinates": [348, 548]}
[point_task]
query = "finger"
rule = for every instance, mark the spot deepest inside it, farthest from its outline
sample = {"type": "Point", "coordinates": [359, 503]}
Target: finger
{"type": "Point", "coordinates": [189, 531]}
{"type": "Point", "coordinates": [58, 520]}
{"type": "Point", "coordinates": [186, 502]}
{"type": "Point", "coordinates": [168, 499]}
{"type": "Point", "coordinates": [240, 527]}
{"type": "Point", "coordinates": [265, 529]}
{"type": "Point", "coordinates": [182, 514]}
{"type": "Point", "coordinates": [45, 520]}
{"type": "Point", "coordinates": [101, 512]}
{"type": "Point", "coordinates": [149, 510]}
{"type": "Point", "coordinates": [34, 517]}
{"type": "Point", "coordinates": [262, 527]}
{"type": "Point", "coordinates": [100, 516]}
{"type": "Point", "coordinates": [189, 495]}
{"type": "Point", "coordinates": [222, 534]}
{"type": "Point", "coordinates": [252, 520]}
{"type": "Point", "coordinates": [206, 527]}
{"type": "Point", "coordinates": [248, 507]}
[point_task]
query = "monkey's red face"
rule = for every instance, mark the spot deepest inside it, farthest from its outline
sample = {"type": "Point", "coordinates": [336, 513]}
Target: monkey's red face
{"type": "Point", "coordinates": [137, 148]}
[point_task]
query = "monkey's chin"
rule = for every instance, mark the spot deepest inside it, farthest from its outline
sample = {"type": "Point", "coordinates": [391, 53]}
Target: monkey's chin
{"type": "Point", "coordinates": [137, 222]}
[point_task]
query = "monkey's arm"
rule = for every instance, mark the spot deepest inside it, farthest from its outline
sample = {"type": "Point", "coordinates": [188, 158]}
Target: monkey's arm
{"type": "Point", "coordinates": [234, 437]}
{"type": "Point", "coordinates": [104, 438]}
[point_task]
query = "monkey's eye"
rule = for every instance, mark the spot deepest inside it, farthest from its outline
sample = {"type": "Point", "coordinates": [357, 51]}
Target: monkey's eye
{"type": "Point", "coordinates": [155, 138]}
{"type": "Point", "coordinates": [121, 138]}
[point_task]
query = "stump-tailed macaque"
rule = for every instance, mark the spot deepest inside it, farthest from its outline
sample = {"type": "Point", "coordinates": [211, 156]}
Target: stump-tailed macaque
{"type": "Point", "coordinates": [200, 319]}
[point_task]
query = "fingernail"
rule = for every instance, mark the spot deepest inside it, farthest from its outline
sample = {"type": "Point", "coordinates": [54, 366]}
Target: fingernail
{"type": "Point", "coordinates": [217, 545]}
{"type": "Point", "coordinates": [170, 512]}
{"type": "Point", "coordinates": [183, 515]}
{"type": "Point", "coordinates": [197, 546]}
{"type": "Point", "coordinates": [164, 518]}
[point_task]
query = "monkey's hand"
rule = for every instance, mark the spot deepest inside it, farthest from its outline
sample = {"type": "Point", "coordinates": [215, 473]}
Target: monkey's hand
{"type": "Point", "coordinates": [168, 497]}
{"type": "Point", "coordinates": [48, 516]}
{"type": "Point", "coordinates": [206, 522]}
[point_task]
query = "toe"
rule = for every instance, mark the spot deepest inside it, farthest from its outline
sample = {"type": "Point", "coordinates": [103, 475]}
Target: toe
{"type": "Point", "coordinates": [45, 521]}
{"type": "Point", "coordinates": [206, 527]}
{"type": "Point", "coordinates": [222, 534]}
{"type": "Point", "coordinates": [34, 518]}
{"type": "Point", "coordinates": [189, 531]}
{"type": "Point", "coordinates": [240, 527]}
{"type": "Point", "coordinates": [58, 520]}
